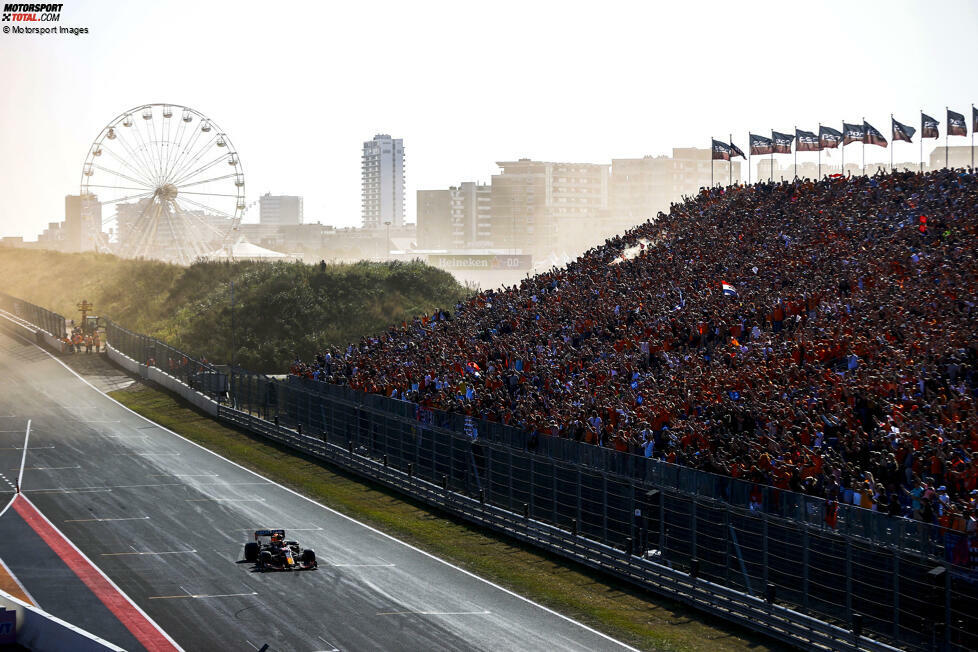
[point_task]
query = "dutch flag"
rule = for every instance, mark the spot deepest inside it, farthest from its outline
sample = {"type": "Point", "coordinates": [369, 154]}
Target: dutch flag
{"type": "Point", "coordinates": [728, 290]}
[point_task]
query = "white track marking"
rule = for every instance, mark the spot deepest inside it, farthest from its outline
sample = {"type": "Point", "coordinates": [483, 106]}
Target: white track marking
{"type": "Point", "coordinates": [200, 596]}
{"type": "Point", "coordinates": [103, 520]}
{"type": "Point", "coordinates": [163, 552]}
{"type": "Point", "coordinates": [225, 500]}
{"type": "Point", "coordinates": [48, 468]}
{"type": "Point", "coordinates": [184, 475]}
{"type": "Point", "coordinates": [23, 459]}
{"type": "Point", "coordinates": [361, 565]}
{"type": "Point", "coordinates": [20, 448]}
{"type": "Point", "coordinates": [17, 581]}
{"type": "Point", "coordinates": [434, 613]}
{"type": "Point", "coordinates": [333, 648]}
{"type": "Point", "coordinates": [101, 572]}
{"type": "Point", "coordinates": [335, 512]}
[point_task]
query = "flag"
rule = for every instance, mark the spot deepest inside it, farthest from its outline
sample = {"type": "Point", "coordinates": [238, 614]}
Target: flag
{"type": "Point", "coordinates": [721, 151]}
{"type": "Point", "coordinates": [872, 135]}
{"type": "Point", "coordinates": [760, 145]}
{"type": "Point", "coordinates": [828, 138]}
{"type": "Point", "coordinates": [852, 133]}
{"type": "Point", "coordinates": [736, 151]}
{"type": "Point", "coordinates": [928, 126]}
{"type": "Point", "coordinates": [728, 290]}
{"type": "Point", "coordinates": [902, 131]}
{"type": "Point", "coordinates": [974, 119]}
{"type": "Point", "coordinates": [956, 126]}
{"type": "Point", "coordinates": [782, 142]}
{"type": "Point", "coordinates": [806, 141]}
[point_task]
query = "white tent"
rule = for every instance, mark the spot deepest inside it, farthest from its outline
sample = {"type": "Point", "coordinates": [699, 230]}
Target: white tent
{"type": "Point", "coordinates": [244, 250]}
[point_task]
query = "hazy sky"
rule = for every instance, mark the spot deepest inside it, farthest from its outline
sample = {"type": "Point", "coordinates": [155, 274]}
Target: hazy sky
{"type": "Point", "coordinates": [299, 86]}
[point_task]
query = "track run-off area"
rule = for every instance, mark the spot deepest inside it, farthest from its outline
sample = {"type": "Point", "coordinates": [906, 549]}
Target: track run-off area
{"type": "Point", "coordinates": [134, 533]}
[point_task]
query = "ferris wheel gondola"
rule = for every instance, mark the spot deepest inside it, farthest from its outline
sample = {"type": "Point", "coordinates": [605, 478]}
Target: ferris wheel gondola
{"type": "Point", "coordinates": [170, 184]}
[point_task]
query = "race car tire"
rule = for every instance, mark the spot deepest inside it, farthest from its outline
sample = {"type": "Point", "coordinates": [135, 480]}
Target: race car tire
{"type": "Point", "coordinates": [251, 551]}
{"type": "Point", "coordinates": [264, 559]}
{"type": "Point", "coordinates": [308, 556]}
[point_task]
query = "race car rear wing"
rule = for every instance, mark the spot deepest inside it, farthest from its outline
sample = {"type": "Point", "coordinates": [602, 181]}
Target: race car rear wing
{"type": "Point", "coordinates": [268, 533]}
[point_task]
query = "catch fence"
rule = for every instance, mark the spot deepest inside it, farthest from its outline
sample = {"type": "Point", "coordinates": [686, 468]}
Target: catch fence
{"type": "Point", "coordinates": [890, 576]}
{"type": "Point", "coordinates": [51, 322]}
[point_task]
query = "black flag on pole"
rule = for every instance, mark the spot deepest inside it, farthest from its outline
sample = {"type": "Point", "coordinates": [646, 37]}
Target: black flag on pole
{"type": "Point", "coordinates": [760, 145]}
{"type": "Point", "coordinates": [721, 151]}
{"type": "Point", "coordinates": [974, 119]}
{"type": "Point", "coordinates": [902, 131]}
{"type": "Point", "coordinates": [928, 126]}
{"type": "Point", "coordinates": [873, 136]}
{"type": "Point", "coordinates": [956, 126]}
{"type": "Point", "coordinates": [853, 133]}
{"type": "Point", "coordinates": [806, 141]}
{"type": "Point", "coordinates": [782, 142]}
{"type": "Point", "coordinates": [735, 152]}
{"type": "Point", "coordinates": [828, 138]}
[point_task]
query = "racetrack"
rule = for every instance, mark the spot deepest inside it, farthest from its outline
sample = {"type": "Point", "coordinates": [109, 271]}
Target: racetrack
{"type": "Point", "coordinates": [165, 520]}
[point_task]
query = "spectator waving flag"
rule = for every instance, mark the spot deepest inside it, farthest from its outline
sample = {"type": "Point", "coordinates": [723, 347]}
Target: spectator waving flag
{"type": "Point", "coordinates": [872, 135]}
{"type": "Point", "coordinates": [902, 131]}
{"type": "Point", "coordinates": [721, 151]}
{"type": "Point", "coordinates": [928, 126]}
{"type": "Point", "coordinates": [736, 151]}
{"type": "Point", "coordinates": [760, 145]}
{"type": "Point", "coordinates": [853, 133]}
{"type": "Point", "coordinates": [782, 142]}
{"type": "Point", "coordinates": [728, 290]}
{"type": "Point", "coordinates": [806, 141]}
{"type": "Point", "coordinates": [956, 126]}
{"type": "Point", "coordinates": [828, 138]}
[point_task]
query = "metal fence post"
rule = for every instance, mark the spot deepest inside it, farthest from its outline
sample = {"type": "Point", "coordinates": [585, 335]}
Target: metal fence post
{"type": "Point", "coordinates": [509, 467]}
{"type": "Point", "coordinates": [896, 594]}
{"type": "Point", "coordinates": [532, 484]}
{"type": "Point", "coordinates": [805, 542]}
{"type": "Point", "coordinates": [553, 488]}
{"type": "Point", "coordinates": [662, 524]}
{"type": "Point", "coordinates": [726, 539]}
{"type": "Point", "coordinates": [848, 579]}
{"type": "Point", "coordinates": [764, 545]}
{"type": "Point", "coordinates": [692, 528]}
{"type": "Point", "coordinates": [488, 483]}
{"type": "Point", "coordinates": [579, 497]}
{"type": "Point", "coordinates": [604, 506]}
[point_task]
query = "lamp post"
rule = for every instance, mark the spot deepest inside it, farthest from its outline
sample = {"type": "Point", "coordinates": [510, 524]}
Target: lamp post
{"type": "Point", "coordinates": [388, 225]}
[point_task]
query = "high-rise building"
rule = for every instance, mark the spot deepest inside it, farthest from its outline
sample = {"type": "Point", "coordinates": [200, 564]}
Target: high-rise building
{"type": "Point", "coordinates": [283, 210]}
{"type": "Point", "coordinates": [471, 215]}
{"type": "Point", "coordinates": [434, 219]}
{"type": "Point", "coordinates": [382, 181]}
{"type": "Point", "coordinates": [83, 220]}
{"type": "Point", "coordinates": [532, 201]}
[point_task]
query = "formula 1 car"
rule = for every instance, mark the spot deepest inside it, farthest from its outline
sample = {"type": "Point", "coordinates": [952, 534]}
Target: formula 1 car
{"type": "Point", "coordinates": [271, 552]}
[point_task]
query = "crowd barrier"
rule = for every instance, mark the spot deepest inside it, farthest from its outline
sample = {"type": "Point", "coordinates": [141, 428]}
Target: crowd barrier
{"type": "Point", "coordinates": [677, 525]}
{"type": "Point", "coordinates": [51, 323]}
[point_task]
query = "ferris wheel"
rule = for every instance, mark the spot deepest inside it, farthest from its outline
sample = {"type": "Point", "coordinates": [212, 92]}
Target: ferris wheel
{"type": "Point", "coordinates": [168, 184]}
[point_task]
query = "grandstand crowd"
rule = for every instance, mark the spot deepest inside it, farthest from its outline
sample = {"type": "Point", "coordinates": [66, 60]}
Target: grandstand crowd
{"type": "Point", "coordinates": [818, 337]}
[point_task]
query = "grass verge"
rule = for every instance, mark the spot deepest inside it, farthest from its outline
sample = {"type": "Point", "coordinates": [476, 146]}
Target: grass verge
{"type": "Point", "coordinates": [618, 609]}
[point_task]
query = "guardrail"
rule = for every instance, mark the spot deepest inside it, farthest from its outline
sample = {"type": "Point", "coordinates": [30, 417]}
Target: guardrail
{"type": "Point", "coordinates": [50, 322]}
{"type": "Point", "coordinates": [758, 614]}
{"type": "Point", "coordinates": [38, 630]}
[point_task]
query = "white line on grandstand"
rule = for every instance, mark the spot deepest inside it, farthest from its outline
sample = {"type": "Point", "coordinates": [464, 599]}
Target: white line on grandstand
{"type": "Point", "coordinates": [340, 514]}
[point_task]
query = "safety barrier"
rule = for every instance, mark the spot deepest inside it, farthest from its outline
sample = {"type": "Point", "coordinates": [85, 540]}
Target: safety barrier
{"type": "Point", "coordinates": [51, 323]}
{"type": "Point", "coordinates": [38, 630]}
{"type": "Point", "coordinates": [738, 555]}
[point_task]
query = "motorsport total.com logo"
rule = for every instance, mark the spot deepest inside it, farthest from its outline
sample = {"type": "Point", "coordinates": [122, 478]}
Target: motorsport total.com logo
{"type": "Point", "coordinates": [29, 13]}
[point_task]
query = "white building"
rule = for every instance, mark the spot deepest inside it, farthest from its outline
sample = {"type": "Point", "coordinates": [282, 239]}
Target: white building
{"type": "Point", "coordinates": [280, 209]}
{"type": "Point", "coordinates": [382, 173]}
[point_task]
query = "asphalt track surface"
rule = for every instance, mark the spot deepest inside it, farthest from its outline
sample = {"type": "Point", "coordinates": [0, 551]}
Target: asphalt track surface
{"type": "Point", "coordinates": [166, 521]}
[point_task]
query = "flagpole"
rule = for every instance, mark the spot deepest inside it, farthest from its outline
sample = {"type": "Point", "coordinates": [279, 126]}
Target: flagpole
{"type": "Point", "coordinates": [711, 161]}
{"type": "Point", "coordinates": [819, 151]}
{"type": "Point", "coordinates": [770, 176]}
{"type": "Point", "coordinates": [893, 144]}
{"type": "Point", "coordinates": [730, 167]}
{"type": "Point", "coordinates": [843, 148]}
{"type": "Point", "coordinates": [864, 146]}
{"type": "Point", "coordinates": [748, 158]}
{"type": "Point", "coordinates": [796, 151]}
{"type": "Point", "coordinates": [921, 141]}
{"type": "Point", "coordinates": [947, 130]}
{"type": "Point", "coordinates": [972, 137]}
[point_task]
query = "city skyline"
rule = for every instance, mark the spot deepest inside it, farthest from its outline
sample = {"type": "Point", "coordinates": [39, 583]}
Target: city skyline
{"type": "Point", "coordinates": [306, 142]}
